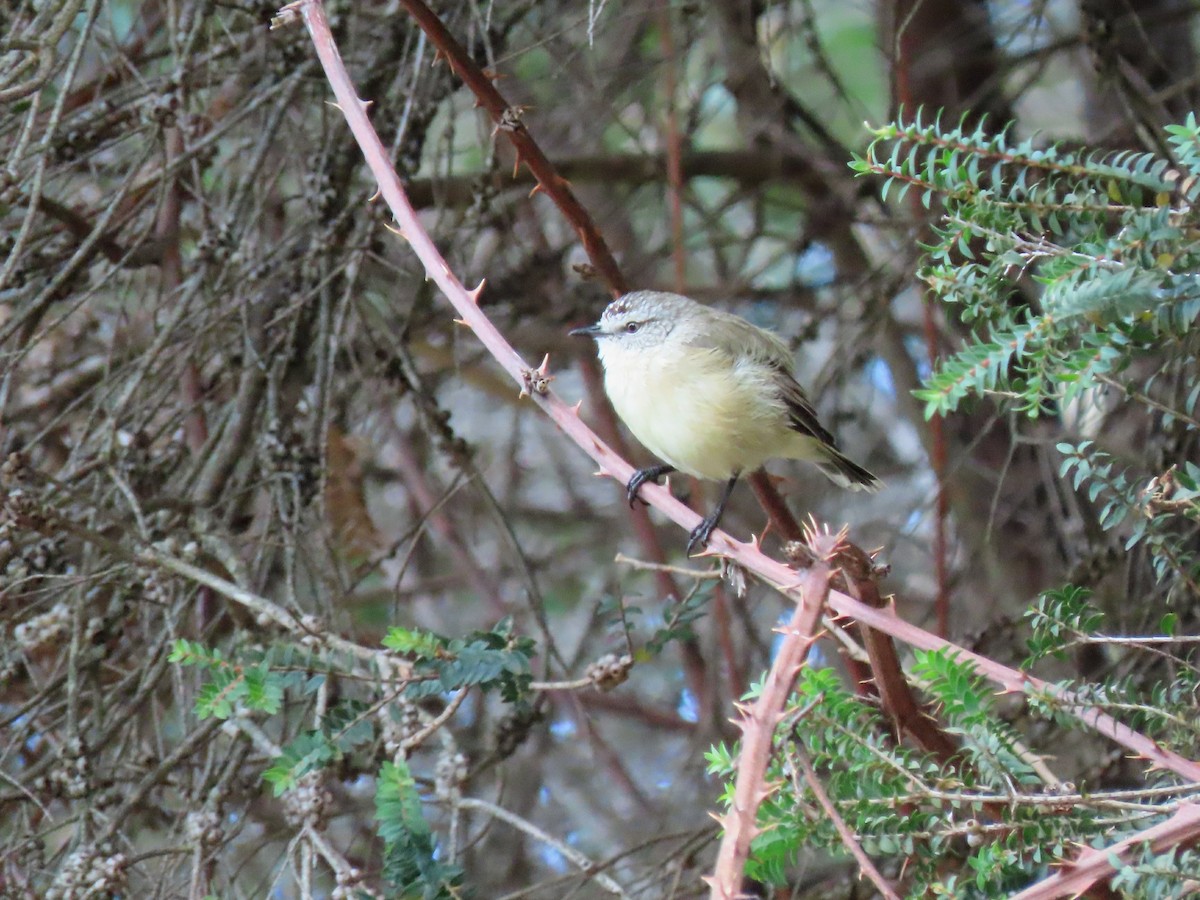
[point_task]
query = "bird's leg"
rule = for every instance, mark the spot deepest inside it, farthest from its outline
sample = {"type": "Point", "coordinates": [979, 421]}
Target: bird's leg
{"type": "Point", "coordinates": [701, 533]}
{"type": "Point", "coordinates": [641, 476]}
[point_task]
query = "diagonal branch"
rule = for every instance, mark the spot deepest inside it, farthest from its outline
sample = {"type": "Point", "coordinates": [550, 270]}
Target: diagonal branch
{"type": "Point", "coordinates": [508, 121]}
{"type": "Point", "coordinates": [849, 839]}
{"type": "Point", "coordinates": [1093, 865]}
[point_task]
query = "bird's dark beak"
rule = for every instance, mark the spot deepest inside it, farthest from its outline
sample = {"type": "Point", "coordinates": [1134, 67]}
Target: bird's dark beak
{"type": "Point", "coordinates": [588, 331]}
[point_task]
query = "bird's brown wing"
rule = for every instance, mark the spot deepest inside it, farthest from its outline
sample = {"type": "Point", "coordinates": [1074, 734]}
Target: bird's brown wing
{"type": "Point", "coordinates": [740, 339]}
{"type": "Point", "coordinates": [801, 415]}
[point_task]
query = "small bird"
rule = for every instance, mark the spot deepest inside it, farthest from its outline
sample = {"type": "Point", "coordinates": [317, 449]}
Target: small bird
{"type": "Point", "coordinates": [710, 394]}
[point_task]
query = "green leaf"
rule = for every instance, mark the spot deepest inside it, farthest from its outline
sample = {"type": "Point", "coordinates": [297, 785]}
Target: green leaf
{"type": "Point", "coordinates": [309, 751]}
{"type": "Point", "coordinates": [409, 862]}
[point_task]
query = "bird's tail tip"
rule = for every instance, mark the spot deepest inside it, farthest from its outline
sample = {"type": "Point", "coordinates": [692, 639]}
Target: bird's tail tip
{"type": "Point", "coordinates": [846, 473]}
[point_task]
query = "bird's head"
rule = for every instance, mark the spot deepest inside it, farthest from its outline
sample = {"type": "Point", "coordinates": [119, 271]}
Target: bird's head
{"type": "Point", "coordinates": [642, 319]}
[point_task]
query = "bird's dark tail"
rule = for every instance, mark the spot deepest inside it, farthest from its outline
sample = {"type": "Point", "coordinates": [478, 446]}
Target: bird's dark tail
{"type": "Point", "coordinates": [846, 473]}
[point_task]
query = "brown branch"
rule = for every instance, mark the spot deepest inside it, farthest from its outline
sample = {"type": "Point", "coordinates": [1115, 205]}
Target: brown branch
{"type": "Point", "coordinates": [674, 146]}
{"type": "Point", "coordinates": [145, 253]}
{"type": "Point", "coordinates": [508, 121]}
{"type": "Point", "coordinates": [857, 578]}
{"type": "Point", "coordinates": [773, 505]}
{"type": "Point", "coordinates": [907, 51]}
{"type": "Point", "coordinates": [749, 168]}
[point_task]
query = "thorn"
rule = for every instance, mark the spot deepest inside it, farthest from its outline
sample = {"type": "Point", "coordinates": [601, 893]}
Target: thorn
{"type": "Point", "coordinates": [544, 368]}
{"type": "Point", "coordinates": [462, 322]}
{"type": "Point", "coordinates": [537, 188]}
{"type": "Point", "coordinates": [577, 407]}
{"type": "Point", "coordinates": [516, 162]}
{"type": "Point", "coordinates": [438, 56]}
{"type": "Point", "coordinates": [364, 105]}
{"type": "Point", "coordinates": [399, 232]}
{"type": "Point", "coordinates": [474, 295]}
{"type": "Point", "coordinates": [601, 473]}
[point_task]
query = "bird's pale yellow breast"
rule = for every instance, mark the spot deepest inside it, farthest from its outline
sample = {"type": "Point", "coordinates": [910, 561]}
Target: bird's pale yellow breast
{"type": "Point", "coordinates": [695, 410]}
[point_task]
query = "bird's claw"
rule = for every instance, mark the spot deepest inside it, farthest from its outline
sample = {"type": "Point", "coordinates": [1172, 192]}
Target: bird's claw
{"type": "Point", "coordinates": [640, 477]}
{"type": "Point", "coordinates": [698, 539]}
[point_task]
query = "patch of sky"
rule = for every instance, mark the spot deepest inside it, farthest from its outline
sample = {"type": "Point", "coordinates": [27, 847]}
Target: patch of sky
{"type": "Point", "coordinates": [553, 860]}
{"type": "Point", "coordinates": [718, 120]}
{"type": "Point", "coordinates": [879, 375]}
{"type": "Point", "coordinates": [816, 656]}
{"type": "Point", "coordinates": [915, 345]}
{"type": "Point", "coordinates": [688, 707]}
{"type": "Point", "coordinates": [814, 266]}
{"type": "Point", "coordinates": [913, 520]}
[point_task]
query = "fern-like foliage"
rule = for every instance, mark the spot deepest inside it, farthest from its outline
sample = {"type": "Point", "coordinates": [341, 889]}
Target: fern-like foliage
{"type": "Point", "coordinates": [496, 659]}
{"type": "Point", "coordinates": [1161, 526]}
{"type": "Point", "coordinates": [231, 685]}
{"type": "Point", "coordinates": [1108, 240]}
{"type": "Point", "coordinates": [410, 865]}
{"type": "Point", "coordinates": [280, 683]}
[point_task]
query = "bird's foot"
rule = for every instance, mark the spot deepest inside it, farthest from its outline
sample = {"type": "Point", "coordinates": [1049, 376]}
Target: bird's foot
{"type": "Point", "coordinates": [698, 539]}
{"type": "Point", "coordinates": [641, 476]}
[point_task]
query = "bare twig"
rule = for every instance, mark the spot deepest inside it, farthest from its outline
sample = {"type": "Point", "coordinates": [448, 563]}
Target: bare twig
{"type": "Point", "coordinates": [584, 864]}
{"type": "Point", "coordinates": [849, 840]}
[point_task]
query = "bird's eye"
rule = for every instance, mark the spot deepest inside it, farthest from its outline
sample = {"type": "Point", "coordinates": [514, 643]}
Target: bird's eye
{"type": "Point", "coordinates": [632, 328]}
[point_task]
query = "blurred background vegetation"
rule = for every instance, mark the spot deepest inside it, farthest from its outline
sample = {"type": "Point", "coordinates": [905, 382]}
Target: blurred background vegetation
{"type": "Point", "coordinates": [215, 358]}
